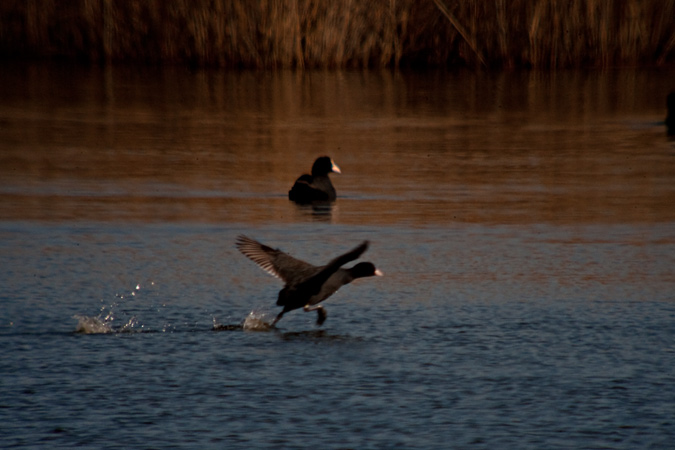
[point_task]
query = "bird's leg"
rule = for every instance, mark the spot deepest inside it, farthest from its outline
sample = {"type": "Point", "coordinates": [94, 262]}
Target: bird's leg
{"type": "Point", "coordinates": [276, 319]}
{"type": "Point", "coordinates": [321, 313]}
{"type": "Point", "coordinates": [321, 316]}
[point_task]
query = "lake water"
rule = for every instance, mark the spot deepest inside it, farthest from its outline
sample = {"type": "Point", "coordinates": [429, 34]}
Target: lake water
{"type": "Point", "coordinates": [525, 224]}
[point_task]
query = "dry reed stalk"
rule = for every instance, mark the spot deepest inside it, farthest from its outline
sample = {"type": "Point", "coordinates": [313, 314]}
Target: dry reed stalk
{"type": "Point", "coordinates": [344, 33]}
{"type": "Point", "coordinates": [460, 29]}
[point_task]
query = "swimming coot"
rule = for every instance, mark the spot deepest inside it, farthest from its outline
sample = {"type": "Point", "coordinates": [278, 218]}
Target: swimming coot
{"type": "Point", "coordinates": [670, 118]}
{"type": "Point", "coordinates": [317, 186]}
{"type": "Point", "coordinates": [306, 285]}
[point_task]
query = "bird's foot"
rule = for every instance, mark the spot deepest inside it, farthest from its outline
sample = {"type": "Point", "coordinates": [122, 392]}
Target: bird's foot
{"type": "Point", "coordinates": [321, 316]}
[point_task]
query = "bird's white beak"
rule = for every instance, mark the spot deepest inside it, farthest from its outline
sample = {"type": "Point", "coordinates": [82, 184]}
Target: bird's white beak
{"type": "Point", "coordinates": [334, 167]}
{"type": "Point", "coordinates": [378, 273]}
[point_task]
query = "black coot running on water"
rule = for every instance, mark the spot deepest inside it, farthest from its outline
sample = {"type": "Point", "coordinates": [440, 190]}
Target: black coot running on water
{"type": "Point", "coordinates": [317, 186]}
{"type": "Point", "coordinates": [306, 285]}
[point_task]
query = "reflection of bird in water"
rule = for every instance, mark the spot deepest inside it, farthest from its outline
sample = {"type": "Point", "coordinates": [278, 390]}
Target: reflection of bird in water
{"type": "Point", "coordinates": [316, 187]}
{"type": "Point", "coordinates": [306, 285]}
{"type": "Point", "coordinates": [670, 118]}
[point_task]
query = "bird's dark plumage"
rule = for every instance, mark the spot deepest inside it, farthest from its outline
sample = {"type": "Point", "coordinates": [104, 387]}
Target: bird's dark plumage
{"type": "Point", "coordinates": [670, 118]}
{"type": "Point", "coordinates": [306, 285]}
{"type": "Point", "coordinates": [316, 187]}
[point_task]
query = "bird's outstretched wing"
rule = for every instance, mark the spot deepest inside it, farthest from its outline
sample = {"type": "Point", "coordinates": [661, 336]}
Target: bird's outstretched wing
{"type": "Point", "coordinates": [341, 260]}
{"type": "Point", "coordinates": [275, 262]}
{"type": "Point", "coordinates": [311, 285]}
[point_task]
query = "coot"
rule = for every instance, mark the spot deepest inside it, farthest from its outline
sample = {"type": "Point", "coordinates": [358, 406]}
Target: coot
{"type": "Point", "coordinates": [670, 118]}
{"type": "Point", "coordinates": [306, 285]}
{"type": "Point", "coordinates": [317, 186]}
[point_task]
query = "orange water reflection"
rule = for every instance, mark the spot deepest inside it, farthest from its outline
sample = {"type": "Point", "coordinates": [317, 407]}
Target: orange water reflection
{"type": "Point", "coordinates": [433, 148]}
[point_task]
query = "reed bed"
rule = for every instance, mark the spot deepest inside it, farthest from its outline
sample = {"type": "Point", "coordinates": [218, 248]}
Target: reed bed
{"type": "Point", "coordinates": [343, 33]}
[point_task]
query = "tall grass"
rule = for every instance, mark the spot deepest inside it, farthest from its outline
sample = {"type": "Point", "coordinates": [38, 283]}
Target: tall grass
{"type": "Point", "coordinates": [344, 33]}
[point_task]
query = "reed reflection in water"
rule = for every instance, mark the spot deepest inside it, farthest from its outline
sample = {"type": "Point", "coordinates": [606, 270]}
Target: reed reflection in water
{"type": "Point", "coordinates": [419, 148]}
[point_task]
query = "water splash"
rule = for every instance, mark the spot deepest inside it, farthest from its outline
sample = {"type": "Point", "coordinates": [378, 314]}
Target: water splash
{"type": "Point", "coordinates": [217, 326]}
{"type": "Point", "coordinates": [255, 321]}
{"type": "Point", "coordinates": [102, 325]}
{"type": "Point", "coordinates": [92, 325]}
{"type": "Point", "coordinates": [112, 318]}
